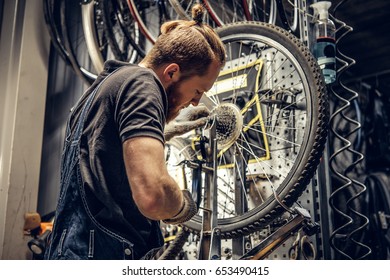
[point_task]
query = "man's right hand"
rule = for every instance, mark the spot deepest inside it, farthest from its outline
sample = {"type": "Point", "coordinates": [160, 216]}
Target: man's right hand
{"type": "Point", "coordinates": [188, 210]}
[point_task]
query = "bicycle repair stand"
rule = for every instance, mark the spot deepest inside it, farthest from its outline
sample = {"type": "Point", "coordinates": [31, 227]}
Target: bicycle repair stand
{"type": "Point", "coordinates": [301, 220]}
{"type": "Point", "coordinates": [210, 236]}
{"type": "Point", "coordinates": [210, 241]}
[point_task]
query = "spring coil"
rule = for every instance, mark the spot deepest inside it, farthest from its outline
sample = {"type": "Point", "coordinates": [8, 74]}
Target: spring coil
{"type": "Point", "coordinates": [346, 198]}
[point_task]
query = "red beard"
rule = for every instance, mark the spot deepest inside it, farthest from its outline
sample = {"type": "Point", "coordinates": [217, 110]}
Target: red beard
{"type": "Point", "coordinates": [173, 107]}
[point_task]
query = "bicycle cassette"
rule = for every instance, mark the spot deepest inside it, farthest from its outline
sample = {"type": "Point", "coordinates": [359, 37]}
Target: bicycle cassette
{"type": "Point", "coordinates": [229, 124]}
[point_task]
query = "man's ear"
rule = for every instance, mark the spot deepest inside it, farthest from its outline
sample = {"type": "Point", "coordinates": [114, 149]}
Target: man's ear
{"type": "Point", "coordinates": [171, 73]}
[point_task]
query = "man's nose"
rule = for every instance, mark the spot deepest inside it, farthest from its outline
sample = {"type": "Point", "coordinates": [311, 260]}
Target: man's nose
{"type": "Point", "coordinates": [195, 101]}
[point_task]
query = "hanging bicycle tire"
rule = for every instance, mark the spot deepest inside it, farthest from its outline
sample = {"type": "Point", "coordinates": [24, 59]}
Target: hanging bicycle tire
{"type": "Point", "coordinates": [110, 33]}
{"type": "Point", "coordinates": [74, 40]}
{"type": "Point", "coordinates": [224, 12]}
{"type": "Point", "coordinates": [288, 14]}
{"type": "Point", "coordinates": [51, 10]}
{"type": "Point", "coordinates": [264, 11]}
{"type": "Point", "coordinates": [122, 32]}
{"type": "Point", "coordinates": [275, 82]}
{"type": "Point", "coordinates": [150, 15]}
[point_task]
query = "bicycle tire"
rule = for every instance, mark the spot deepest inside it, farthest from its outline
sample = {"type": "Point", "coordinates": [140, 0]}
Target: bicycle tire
{"type": "Point", "coordinates": [121, 32]}
{"type": "Point", "coordinates": [175, 247]}
{"type": "Point", "coordinates": [143, 13]}
{"type": "Point", "coordinates": [290, 164]}
{"type": "Point", "coordinates": [51, 14]}
{"type": "Point", "coordinates": [70, 21]}
{"type": "Point", "coordinates": [150, 15]}
{"type": "Point", "coordinates": [224, 12]}
{"type": "Point", "coordinates": [288, 14]}
{"type": "Point", "coordinates": [182, 8]}
{"type": "Point", "coordinates": [263, 11]}
{"type": "Point", "coordinates": [91, 36]}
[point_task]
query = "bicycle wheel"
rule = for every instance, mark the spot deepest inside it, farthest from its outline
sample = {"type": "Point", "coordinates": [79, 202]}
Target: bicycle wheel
{"type": "Point", "coordinates": [62, 33]}
{"type": "Point", "coordinates": [122, 31]}
{"type": "Point", "coordinates": [91, 33]}
{"type": "Point", "coordinates": [183, 10]}
{"type": "Point", "coordinates": [264, 11]}
{"type": "Point", "coordinates": [74, 40]}
{"type": "Point", "coordinates": [51, 10]}
{"type": "Point", "coordinates": [110, 33]}
{"type": "Point", "coordinates": [224, 12]}
{"type": "Point", "coordinates": [288, 14]}
{"type": "Point", "coordinates": [275, 82]}
{"type": "Point", "coordinates": [149, 15]}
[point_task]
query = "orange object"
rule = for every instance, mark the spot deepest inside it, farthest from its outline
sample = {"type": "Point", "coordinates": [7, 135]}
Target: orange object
{"type": "Point", "coordinates": [46, 226]}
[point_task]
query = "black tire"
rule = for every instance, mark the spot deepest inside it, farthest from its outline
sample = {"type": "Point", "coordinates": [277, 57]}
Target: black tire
{"type": "Point", "coordinates": [73, 41]}
{"type": "Point", "coordinates": [224, 12]}
{"type": "Point", "coordinates": [51, 9]}
{"type": "Point", "coordinates": [263, 11]}
{"type": "Point", "coordinates": [288, 15]}
{"type": "Point", "coordinates": [121, 32]}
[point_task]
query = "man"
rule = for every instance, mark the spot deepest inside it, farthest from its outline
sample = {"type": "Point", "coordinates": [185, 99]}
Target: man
{"type": "Point", "coordinates": [115, 186]}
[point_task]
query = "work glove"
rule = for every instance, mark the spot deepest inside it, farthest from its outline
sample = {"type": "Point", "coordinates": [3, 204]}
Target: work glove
{"type": "Point", "coordinates": [188, 119]}
{"type": "Point", "coordinates": [188, 210]}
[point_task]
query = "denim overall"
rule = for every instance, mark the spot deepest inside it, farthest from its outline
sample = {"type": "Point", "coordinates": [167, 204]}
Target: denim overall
{"type": "Point", "coordinates": [76, 233]}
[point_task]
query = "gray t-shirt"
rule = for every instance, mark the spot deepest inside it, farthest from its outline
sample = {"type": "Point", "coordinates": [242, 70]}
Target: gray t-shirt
{"type": "Point", "coordinates": [131, 102]}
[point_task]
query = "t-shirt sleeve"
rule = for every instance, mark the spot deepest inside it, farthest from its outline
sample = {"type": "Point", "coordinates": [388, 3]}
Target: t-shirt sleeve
{"type": "Point", "coordinates": [140, 108]}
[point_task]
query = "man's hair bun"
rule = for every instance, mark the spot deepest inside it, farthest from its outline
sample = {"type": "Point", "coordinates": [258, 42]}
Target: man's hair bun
{"type": "Point", "coordinates": [198, 13]}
